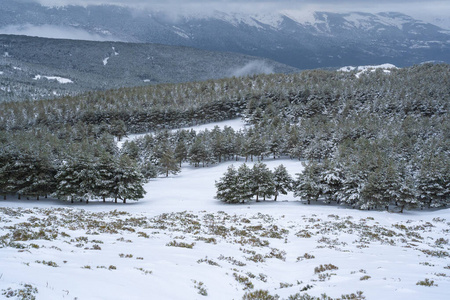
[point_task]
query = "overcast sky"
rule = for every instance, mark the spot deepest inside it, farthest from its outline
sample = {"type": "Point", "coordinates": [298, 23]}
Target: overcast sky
{"type": "Point", "coordinates": [377, 5]}
{"type": "Point", "coordinates": [424, 10]}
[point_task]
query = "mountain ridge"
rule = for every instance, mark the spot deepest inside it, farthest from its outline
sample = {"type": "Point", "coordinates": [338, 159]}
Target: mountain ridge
{"type": "Point", "coordinates": [303, 39]}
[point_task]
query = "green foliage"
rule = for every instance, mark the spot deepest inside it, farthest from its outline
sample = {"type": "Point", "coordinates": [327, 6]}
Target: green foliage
{"type": "Point", "coordinates": [426, 282]}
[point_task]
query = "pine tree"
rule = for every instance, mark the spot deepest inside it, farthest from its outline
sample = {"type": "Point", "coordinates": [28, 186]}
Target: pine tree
{"type": "Point", "coordinates": [128, 182]}
{"type": "Point", "coordinates": [307, 186]}
{"type": "Point", "coordinates": [244, 184]}
{"type": "Point", "coordinates": [263, 184]}
{"type": "Point", "coordinates": [282, 181]}
{"type": "Point", "coordinates": [168, 163]}
{"type": "Point", "coordinates": [227, 186]}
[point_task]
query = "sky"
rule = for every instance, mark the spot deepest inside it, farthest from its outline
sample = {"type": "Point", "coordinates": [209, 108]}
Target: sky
{"type": "Point", "coordinates": [429, 11]}
{"type": "Point", "coordinates": [442, 6]}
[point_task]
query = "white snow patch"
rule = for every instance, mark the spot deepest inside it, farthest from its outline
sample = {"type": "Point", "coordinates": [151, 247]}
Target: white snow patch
{"type": "Point", "coordinates": [362, 69]}
{"type": "Point", "coordinates": [147, 80]}
{"type": "Point", "coordinates": [17, 68]}
{"type": "Point", "coordinates": [57, 78]}
{"type": "Point", "coordinates": [1, 72]}
{"type": "Point", "coordinates": [115, 53]}
{"type": "Point", "coordinates": [307, 17]}
{"type": "Point", "coordinates": [180, 32]}
{"type": "Point", "coordinates": [105, 61]}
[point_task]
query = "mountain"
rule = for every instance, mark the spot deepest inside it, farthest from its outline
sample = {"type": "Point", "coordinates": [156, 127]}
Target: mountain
{"type": "Point", "coordinates": [302, 39]}
{"type": "Point", "coordinates": [32, 67]}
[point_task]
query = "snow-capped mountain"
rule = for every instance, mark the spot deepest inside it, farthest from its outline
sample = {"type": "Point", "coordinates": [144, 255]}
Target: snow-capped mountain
{"type": "Point", "coordinates": [304, 39]}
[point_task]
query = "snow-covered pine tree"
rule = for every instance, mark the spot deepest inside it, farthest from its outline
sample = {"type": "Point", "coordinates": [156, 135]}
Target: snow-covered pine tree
{"type": "Point", "coordinates": [244, 184]}
{"type": "Point", "coordinates": [307, 186]}
{"type": "Point", "coordinates": [227, 189]}
{"type": "Point", "coordinates": [282, 181]}
{"type": "Point", "coordinates": [262, 179]}
{"type": "Point", "coordinates": [128, 182]}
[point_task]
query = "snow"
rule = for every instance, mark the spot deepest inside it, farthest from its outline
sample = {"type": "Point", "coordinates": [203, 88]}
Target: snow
{"type": "Point", "coordinates": [182, 208]}
{"type": "Point", "coordinates": [363, 69]}
{"type": "Point", "coordinates": [1, 72]}
{"type": "Point", "coordinates": [57, 78]}
{"type": "Point", "coordinates": [17, 68]}
{"type": "Point", "coordinates": [180, 32]}
{"type": "Point", "coordinates": [105, 61]}
{"type": "Point", "coordinates": [115, 52]}
{"type": "Point", "coordinates": [307, 17]}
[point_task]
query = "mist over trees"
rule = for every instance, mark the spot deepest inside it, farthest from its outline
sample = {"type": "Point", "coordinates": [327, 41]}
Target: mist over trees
{"type": "Point", "coordinates": [372, 141]}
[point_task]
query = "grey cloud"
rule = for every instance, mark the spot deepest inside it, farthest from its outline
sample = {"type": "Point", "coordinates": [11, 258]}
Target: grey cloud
{"type": "Point", "coordinates": [417, 8]}
{"type": "Point", "coordinates": [253, 67]}
{"type": "Point", "coordinates": [50, 31]}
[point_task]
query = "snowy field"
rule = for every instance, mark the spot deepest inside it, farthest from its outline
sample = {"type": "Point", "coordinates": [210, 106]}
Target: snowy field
{"type": "Point", "coordinates": [180, 243]}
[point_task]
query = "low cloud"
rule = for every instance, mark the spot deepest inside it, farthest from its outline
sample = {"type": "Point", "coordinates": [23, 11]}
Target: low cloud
{"type": "Point", "coordinates": [251, 68]}
{"type": "Point", "coordinates": [58, 32]}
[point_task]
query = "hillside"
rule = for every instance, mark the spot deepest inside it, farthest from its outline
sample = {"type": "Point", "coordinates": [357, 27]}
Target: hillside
{"type": "Point", "coordinates": [36, 68]}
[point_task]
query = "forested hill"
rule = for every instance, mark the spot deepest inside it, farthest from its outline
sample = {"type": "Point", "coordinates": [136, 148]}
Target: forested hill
{"type": "Point", "coordinates": [371, 138]}
{"type": "Point", "coordinates": [37, 68]}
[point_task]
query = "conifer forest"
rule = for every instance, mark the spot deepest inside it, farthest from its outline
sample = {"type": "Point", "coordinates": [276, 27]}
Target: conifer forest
{"type": "Point", "coordinates": [379, 140]}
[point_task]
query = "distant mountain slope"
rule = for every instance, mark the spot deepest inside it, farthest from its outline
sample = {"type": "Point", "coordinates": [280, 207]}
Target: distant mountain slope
{"type": "Point", "coordinates": [33, 67]}
{"type": "Point", "coordinates": [298, 38]}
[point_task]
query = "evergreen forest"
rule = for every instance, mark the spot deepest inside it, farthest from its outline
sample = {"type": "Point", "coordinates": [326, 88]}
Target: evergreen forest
{"type": "Point", "coordinates": [372, 141]}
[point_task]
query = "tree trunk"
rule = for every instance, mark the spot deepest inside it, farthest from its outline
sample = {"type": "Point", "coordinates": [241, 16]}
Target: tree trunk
{"type": "Point", "coordinates": [124, 200]}
{"type": "Point", "coordinates": [4, 197]}
{"type": "Point", "coordinates": [37, 197]}
{"type": "Point", "coordinates": [87, 201]}
{"type": "Point", "coordinates": [401, 209]}
{"type": "Point", "coordinates": [104, 199]}
{"type": "Point", "coordinates": [18, 196]}
{"type": "Point", "coordinates": [276, 196]}
{"type": "Point", "coordinates": [257, 197]}
{"type": "Point", "coordinates": [115, 199]}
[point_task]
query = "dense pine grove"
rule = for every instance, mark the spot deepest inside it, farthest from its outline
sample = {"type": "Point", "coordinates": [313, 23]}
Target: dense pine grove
{"type": "Point", "coordinates": [372, 141]}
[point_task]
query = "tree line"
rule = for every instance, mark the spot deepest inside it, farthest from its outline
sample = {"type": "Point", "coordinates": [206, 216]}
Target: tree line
{"type": "Point", "coordinates": [378, 125]}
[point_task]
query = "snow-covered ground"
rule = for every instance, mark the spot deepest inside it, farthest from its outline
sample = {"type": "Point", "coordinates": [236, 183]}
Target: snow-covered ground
{"type": "Point", "coordinates": [363, 69]}
{"type": "Point", "coordinates": [136, 250]}
{"type": "Point", "coordinates": [57, 78]}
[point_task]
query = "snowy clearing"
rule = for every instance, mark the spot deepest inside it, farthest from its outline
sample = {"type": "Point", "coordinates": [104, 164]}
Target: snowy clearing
{"type": "Point", "coordinates": [181, 243]}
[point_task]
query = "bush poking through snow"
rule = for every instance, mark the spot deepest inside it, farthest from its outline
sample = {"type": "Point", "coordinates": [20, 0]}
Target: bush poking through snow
{"type": "Point", "coordinates": [26, 293]}
{"type": "Point", "coordinates": [426, 282]}
{"type": "Point", "coordinates": [259, 295]}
